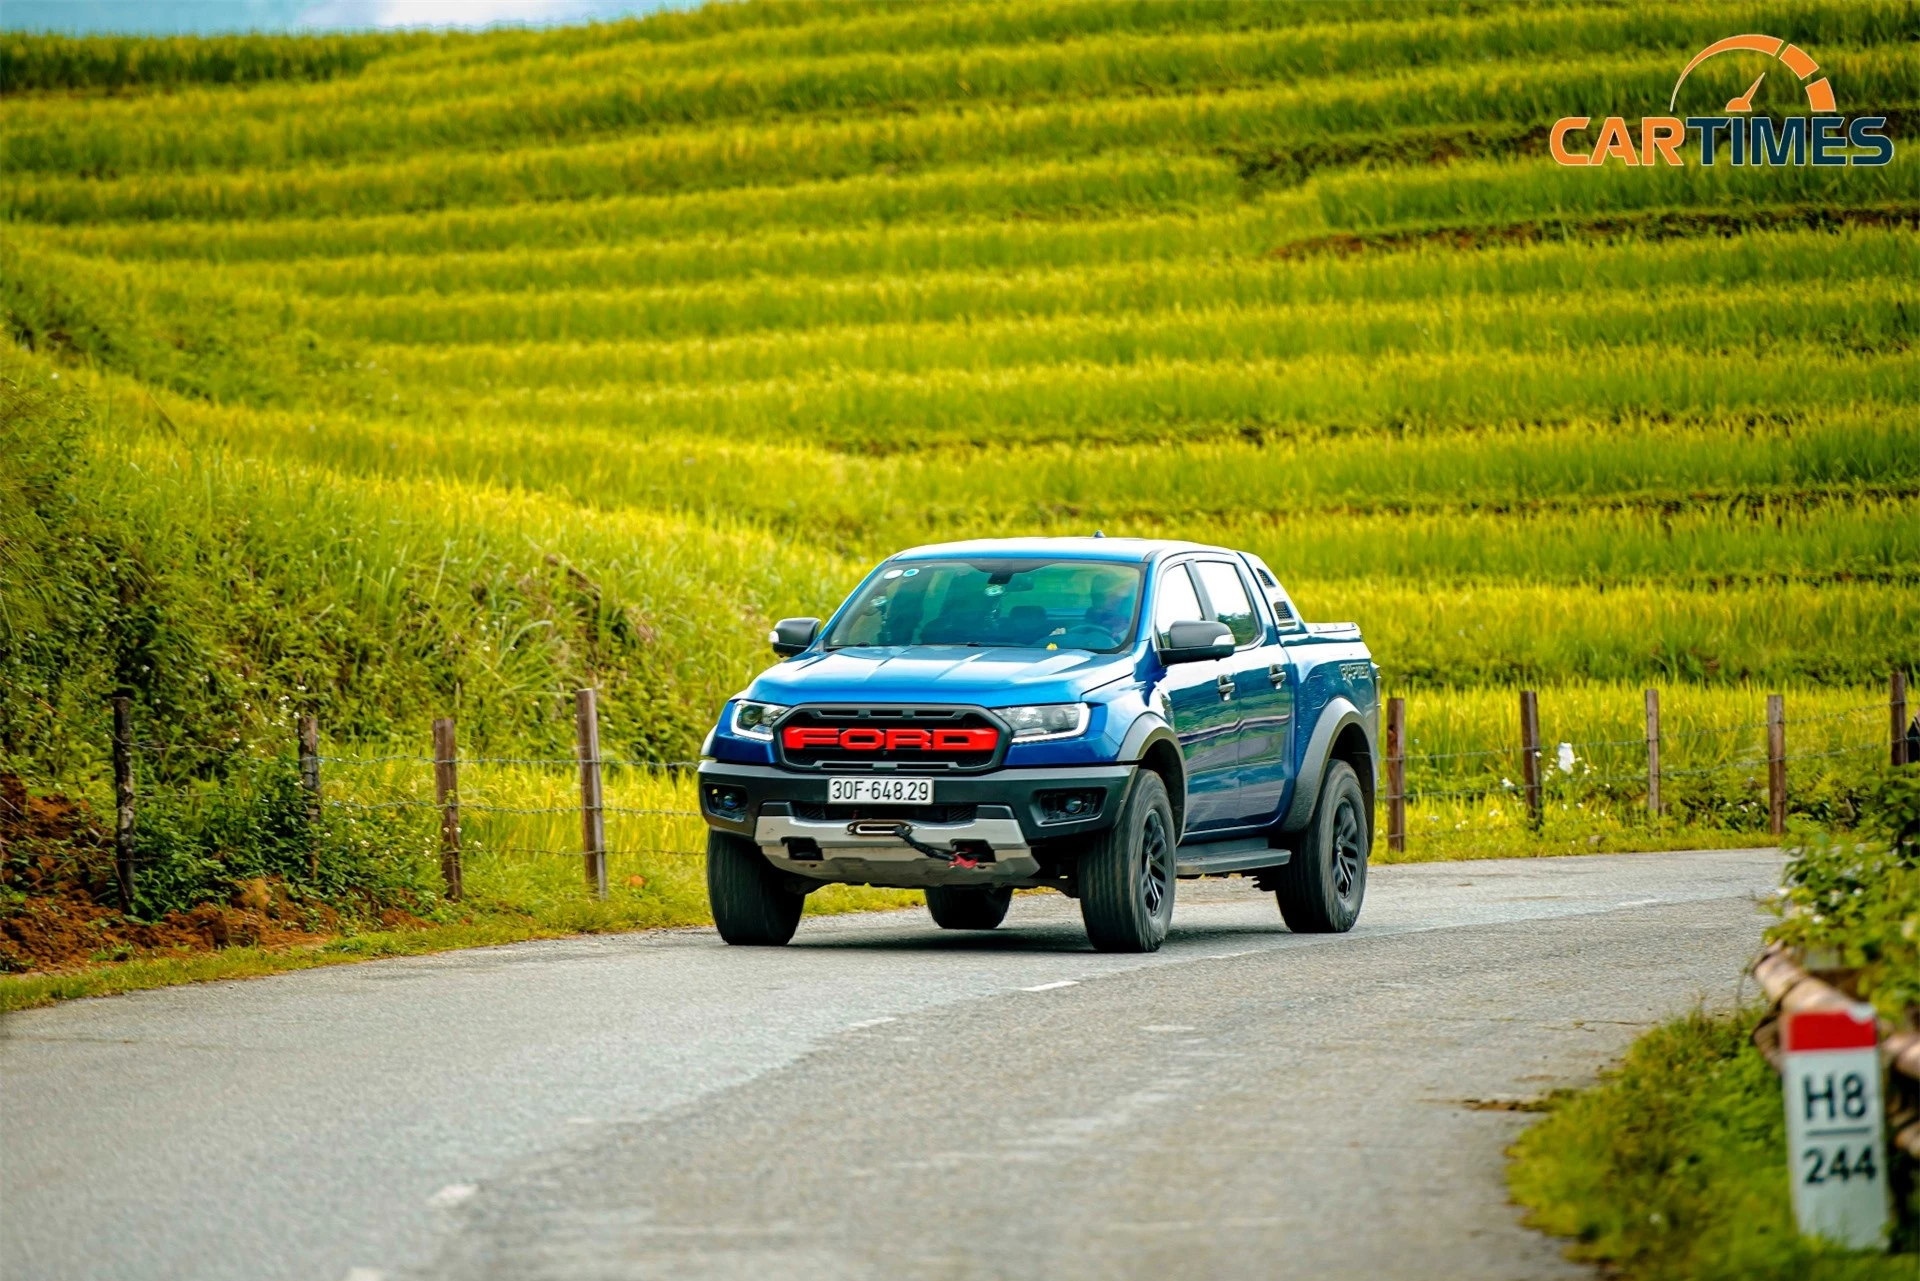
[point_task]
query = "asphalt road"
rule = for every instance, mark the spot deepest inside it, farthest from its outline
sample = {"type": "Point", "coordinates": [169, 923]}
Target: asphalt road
{"type": "Point", "coordinates": [882, 1099]}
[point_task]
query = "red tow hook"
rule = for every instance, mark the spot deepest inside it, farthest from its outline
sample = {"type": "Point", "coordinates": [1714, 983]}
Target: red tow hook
{"type": "Point", "coordinates": [904, 832]}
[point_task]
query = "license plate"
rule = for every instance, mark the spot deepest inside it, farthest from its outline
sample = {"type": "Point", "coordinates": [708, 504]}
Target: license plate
{"type": "Point", "coordinates": [879, 791]}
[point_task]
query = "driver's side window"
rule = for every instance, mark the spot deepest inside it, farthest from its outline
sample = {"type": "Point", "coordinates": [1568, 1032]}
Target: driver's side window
{"type": "Point", "coordinates": [1174, 601]}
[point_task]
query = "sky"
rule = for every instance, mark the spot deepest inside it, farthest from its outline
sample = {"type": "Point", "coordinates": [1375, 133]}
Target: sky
{"type": "Point", "coordinates": [173, 17]}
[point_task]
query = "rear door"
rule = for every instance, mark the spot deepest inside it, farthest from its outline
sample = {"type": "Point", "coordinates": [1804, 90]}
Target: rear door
{"type": "Point", "coordinates": [1260, 689]}
{"type": "Point", "coordinates": [1204, 718]}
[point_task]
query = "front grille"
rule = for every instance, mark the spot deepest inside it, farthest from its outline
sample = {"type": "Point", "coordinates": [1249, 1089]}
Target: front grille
{"type": "Point", "coordinates": [839, 759]}
{"type": "Point", "coordinates": [814, 812]}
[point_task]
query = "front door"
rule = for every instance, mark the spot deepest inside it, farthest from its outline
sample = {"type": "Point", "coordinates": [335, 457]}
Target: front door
{"type": "Point", "coordinates": [1199, 703]}
{"type": "Point", "coordinates": [1261, 689]}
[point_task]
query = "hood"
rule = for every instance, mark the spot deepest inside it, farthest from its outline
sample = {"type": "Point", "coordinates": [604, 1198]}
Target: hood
{"type": "Point", "coordinates": [999, 677]}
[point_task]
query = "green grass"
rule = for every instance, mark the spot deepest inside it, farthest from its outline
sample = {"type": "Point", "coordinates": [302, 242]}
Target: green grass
{"type": "Point", "coordinates": [444, 374]}
{"type": "Point", "coordinates": [1674, 1167]}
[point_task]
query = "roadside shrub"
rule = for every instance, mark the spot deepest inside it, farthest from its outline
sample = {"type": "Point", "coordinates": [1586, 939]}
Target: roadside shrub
{"type": "Point", "coordinates": [201, 842]}
{"type": "Point", "coordinates": [1859, 899]}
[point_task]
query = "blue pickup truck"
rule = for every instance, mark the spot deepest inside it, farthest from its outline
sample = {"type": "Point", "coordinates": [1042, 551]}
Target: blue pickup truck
{"type": "Point", "coordinates": [1101, 716]}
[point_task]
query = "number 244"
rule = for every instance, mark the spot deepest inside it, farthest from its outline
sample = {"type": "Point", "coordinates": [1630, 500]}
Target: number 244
{"type": "Point", "coordinates": [1821, 1170]}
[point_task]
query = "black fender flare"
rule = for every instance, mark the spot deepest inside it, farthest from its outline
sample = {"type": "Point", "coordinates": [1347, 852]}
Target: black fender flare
{"type": "Point", "coordinates": [1335, 717]}
{"type": "Point", "coordinates": [1148, 729]}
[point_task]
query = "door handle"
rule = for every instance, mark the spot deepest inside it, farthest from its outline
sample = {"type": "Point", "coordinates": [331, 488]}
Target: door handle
{"type": "Point", "coordinates": [1277, 673]}
{"type": "Point", "coordinates": [1224, 683]}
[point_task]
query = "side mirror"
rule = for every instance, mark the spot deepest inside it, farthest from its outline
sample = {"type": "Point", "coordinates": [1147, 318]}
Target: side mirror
{"type": "Point", "coordinates": [1193, 641]}
{"type": "Point", "coordinates": [791, 635]}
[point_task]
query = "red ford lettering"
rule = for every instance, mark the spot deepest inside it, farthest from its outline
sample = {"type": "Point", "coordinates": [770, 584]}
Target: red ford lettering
{"type": "Point", "coordinates": [802, 738]}
{"type": "Point", "coordinates": [864, 738]}
{"type": "Point", "coordinates": [965, 740]}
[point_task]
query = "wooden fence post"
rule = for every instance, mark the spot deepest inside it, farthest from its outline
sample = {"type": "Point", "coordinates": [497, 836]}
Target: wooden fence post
{"type": "Point", "coordinates": [123, 801]}
{"type": "Point", "coordinates": [1653, 753]}
{"type": "Point", "coordinates": [1397, 775]}
{"type": "Point", "coordinates": [1530, 755]}
{"type": "Point", "coordinates": [593, 816]}
{"type": "Point", "coordinates": [310, 781]}
{"type": "Point", "coordinates": [1777, 763]}
{"type": "Point", "coordinates": [446, 794]}
{"type": "Point", "coordinates": [1897, 713]}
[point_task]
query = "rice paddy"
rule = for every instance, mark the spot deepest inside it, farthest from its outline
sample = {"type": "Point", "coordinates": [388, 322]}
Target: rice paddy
{"type": "Point", "coordinates": [443, 374]}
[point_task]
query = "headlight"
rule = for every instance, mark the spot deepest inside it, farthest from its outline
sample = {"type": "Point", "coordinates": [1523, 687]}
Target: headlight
{"type": "Point", "coordinates": [1051, 720]}
{"type": "Point", "coordinates": [755, 720]}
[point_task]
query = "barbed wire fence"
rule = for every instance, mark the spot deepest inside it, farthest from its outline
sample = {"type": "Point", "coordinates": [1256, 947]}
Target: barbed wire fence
{"type": "Point", "coordinates": [1569, 772]}
{"type": "Point", "coordinates": [457, 792]}
{"type": "Point", "coordinates": [1629, 780]}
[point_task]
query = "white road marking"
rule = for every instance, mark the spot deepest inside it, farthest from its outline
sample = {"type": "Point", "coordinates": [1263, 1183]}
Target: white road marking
{"type": "Point", "coordinates": [886, 1018]}
{"type": "Point", "coordinates": [1637, 902]}
{"type": "Point", "coordinates": [1168, 1027]}
{"type": "Point", "coordinates": [1048, 987]}
{"type": "Point", "coordinates": [579, 1120]}
{"type": "Point", "coordinates": [451, 1195]}
{"type": "Point", "coordinates": [364, 1274]}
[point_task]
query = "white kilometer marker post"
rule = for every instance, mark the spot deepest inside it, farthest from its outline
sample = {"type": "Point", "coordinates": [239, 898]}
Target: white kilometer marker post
{"type": "Point", "coordinates": [1836, 1134]}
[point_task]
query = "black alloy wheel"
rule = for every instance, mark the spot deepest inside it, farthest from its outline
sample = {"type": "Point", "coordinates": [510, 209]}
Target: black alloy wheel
{"type": "Point", "coordinates": [1127, 872]}
{"type": "Point", "coordinates": [1321, 888]}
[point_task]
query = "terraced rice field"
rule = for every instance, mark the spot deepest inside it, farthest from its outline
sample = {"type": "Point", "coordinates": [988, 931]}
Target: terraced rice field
{"type": "Point", "coordinates": [454, 371]}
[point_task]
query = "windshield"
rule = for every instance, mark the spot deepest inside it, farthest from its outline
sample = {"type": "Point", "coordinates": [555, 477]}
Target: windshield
{"type": "Point", "coordinates": [1027, 603]}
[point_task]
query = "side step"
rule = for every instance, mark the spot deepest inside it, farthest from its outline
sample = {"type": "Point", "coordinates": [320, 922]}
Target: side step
{"type": "Point", "coordinates": [1211, 858]}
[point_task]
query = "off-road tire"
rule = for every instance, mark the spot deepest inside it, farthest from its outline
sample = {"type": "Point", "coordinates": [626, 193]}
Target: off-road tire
{"type": "Point", "coordinates": [968, 907]}
{"type": "Point", "coordinates": [752, 903]}
{"type": "Point", "coordinates": [1127, 872]}
{"type": "Point", "coordinates": [1321, 888]}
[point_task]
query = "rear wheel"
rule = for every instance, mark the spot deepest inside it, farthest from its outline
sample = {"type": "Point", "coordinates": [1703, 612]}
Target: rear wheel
{"type": "Point", "coordinates": [968, 907]}
{"type": "Point", "coordinates": [752, 904]}
{"type": "Point", "coordinates": [1127, 876]}
{"type": "Point", "coordinates": [1321, 888]}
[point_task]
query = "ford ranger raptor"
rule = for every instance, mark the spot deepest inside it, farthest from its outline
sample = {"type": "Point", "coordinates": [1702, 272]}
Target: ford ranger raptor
{"type": "Point", "coordinates": [1100, 716]}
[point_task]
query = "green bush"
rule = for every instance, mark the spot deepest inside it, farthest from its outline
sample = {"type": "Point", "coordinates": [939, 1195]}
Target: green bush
{"type": "Point", "coordinates": [201, 841]}
{"type": "Point", "coordinates": [1859, 899]}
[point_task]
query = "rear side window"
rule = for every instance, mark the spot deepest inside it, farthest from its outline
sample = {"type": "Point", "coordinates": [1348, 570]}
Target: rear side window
{"type": "Point", "coordinates": [1174, 601]}
{"type": "Point", "coordinates": [1228, 595]}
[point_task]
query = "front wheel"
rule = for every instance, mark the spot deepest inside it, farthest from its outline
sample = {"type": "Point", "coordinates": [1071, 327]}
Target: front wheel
{"type": "Point", "coordinates": [752, 904]}
{"type": "Point", "coordinates": [968, 907]}
{"type": "Point", "coordinates": [1126, 877]}
{"type": "Point", "coordinates": [1322, 886]}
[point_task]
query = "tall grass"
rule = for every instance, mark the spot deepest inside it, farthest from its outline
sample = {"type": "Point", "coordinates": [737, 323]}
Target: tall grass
{"type": "Point", "coordinates": [784, 151]}
{"type": "Point", "coordinates": [1080, 296]}
{"type": "Point", "coordinates": [1187, 400]}
{"type": "Point", "coordinates": [1859, 318]}
{"type": "Point", "coordinates": [1219, 250]}
{"type": "Point", "coordinates": [30, 63]}
{"type": "Point", "coordinates": [1728, 464]}
{"type": "Point", "coordinates": [608, 94]}
{"type": "Point", "coordinates": [1007, 198]}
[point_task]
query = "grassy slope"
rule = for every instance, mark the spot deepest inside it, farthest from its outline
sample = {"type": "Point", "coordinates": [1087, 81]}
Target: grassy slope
{"type": "Point", "coordinates": [1675, 1167]}
{"type": "Point", "coordinates": [404, 377]}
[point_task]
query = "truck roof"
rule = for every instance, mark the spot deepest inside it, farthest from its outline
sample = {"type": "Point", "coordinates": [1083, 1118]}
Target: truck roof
{"type": "Point", "coordinates": [1134, 550]}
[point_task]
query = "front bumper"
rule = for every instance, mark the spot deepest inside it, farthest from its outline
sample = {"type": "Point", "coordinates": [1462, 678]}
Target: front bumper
{"type": "Point", "coordinates": [785, 813]}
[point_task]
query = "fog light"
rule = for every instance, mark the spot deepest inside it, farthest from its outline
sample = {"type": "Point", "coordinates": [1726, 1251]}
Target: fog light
{"type": "Point", "coordinates": [1070, 807]}
{"type": "Point", "coordinates": [726, 802]}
